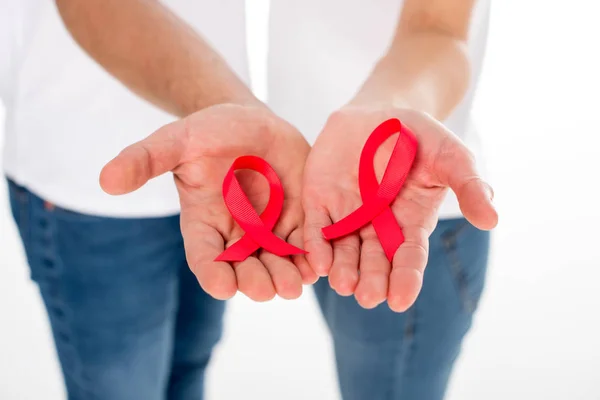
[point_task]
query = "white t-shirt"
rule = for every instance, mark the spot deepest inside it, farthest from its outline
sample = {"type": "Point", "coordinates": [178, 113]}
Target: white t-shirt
{"type": "Point", "coordinates": [320, 53]}
{"type": "Point", "coordinates": [66, 117]}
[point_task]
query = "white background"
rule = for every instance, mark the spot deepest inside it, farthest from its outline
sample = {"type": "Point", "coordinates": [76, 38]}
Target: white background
{"type": "Point", "coordinates": [537, 333]}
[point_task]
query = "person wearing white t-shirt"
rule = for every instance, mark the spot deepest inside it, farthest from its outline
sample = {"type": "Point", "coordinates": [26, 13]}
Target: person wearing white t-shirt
{"type": "Point", "coordinates": [129, 319]}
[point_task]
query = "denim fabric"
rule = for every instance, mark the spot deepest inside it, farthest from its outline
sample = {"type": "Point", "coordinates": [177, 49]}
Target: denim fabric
{"type": "Point", "coordinates": [128, 317]}
{"type": "Point", "coordinates": [382, 355]}
{"type": "Point", "coordinates": [130, 321]}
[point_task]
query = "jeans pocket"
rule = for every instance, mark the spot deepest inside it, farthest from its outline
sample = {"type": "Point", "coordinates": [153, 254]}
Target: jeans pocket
{"type": "Point", "coordinates": [466, 249]}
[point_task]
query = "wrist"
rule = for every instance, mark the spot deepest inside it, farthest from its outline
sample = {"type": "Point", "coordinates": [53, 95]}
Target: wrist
{"type": "Point", "coordinates": [388, 87]}
{"type": "Point", "coordinates": [239, 96]}
{"type": "Point", "coordinates": [381, 89]}
{"type": "Point", "coordinates": [374, 99]}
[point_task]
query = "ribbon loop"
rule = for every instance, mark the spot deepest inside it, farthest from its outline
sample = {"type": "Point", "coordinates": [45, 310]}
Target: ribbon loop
{"type": "Point", "coordinates": [257, 228]}
{"type": "Point", "coordinates": [377, 197]}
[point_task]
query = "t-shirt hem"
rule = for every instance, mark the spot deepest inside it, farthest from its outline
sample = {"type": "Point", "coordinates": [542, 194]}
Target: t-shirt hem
{"type": "Point", "coordinates": [84, 204]}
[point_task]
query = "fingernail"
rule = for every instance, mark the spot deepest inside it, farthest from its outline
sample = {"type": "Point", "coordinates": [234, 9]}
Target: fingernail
{"type": "Point", "coordinates": [490, 191]}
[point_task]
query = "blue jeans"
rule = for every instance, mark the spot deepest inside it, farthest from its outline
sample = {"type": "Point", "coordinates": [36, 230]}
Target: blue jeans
{"type": "Point", "coordinates": [382, 355]}
{"type": "Point", "coordinates": [131, 322]}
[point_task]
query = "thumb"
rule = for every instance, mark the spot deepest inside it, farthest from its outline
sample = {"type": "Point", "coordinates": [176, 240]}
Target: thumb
{"type": "Point", "coordinates": [136, 164]}
{"type": "Point", "coordinates": [455, 167]}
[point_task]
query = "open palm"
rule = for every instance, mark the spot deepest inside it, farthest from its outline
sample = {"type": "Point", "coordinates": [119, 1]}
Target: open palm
{"type": "Point", "coordinates": [356, 264]}
{"type": "Point", "coordinates": [199, 150]}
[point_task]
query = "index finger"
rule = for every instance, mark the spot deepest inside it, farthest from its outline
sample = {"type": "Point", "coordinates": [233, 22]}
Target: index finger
{"type": "Point", "coordinates": [455, 167]}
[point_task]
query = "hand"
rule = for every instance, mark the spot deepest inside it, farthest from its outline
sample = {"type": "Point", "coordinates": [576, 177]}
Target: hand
{"type": "Point", "coordinates": [199, 150]}
{"type": "Point", "coordinates": [331, 192]}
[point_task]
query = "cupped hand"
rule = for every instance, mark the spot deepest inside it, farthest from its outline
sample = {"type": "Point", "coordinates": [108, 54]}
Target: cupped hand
{"type": "Point", "coordinates": [356, 264]}
{"type": "Point", "coordinates": [199, 150]}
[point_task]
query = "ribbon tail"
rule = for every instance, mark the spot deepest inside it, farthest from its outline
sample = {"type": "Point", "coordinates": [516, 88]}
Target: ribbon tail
{"type": "Point", "coordinates": [239, 251]}
{"type": "Point", "coordinates": [243, 248]}
{"type": "Point", "coordinates": [268, 241]}
{"type": "Point", "coordinates": [283, 248]}
{"type": "Point", "coordinates": [389, 233]}
{"type": "Point", "coordinates": [353, 222]}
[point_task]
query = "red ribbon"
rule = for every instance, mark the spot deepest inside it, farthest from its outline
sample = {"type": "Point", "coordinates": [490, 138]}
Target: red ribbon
{"type": "Point", "coordinates": [378, 197]}
{"type": "Point", "coordinates": [258, 228]}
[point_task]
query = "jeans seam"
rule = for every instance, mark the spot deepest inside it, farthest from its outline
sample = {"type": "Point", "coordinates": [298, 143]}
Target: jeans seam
{"type": "Point", "coordinates": [55, 301]}
{"type": "Point", "coordinates": [449, 242]}
{"type": "Point", "coordinates": [407, 347]}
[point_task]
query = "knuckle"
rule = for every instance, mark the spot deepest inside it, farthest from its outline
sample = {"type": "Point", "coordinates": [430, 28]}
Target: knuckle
{"type": "Point", "coordinates": [372, 252]}
{"type": "Point", "coordinates": [348, 247]}
{"type": "Point", "coordinates": [421, 255]}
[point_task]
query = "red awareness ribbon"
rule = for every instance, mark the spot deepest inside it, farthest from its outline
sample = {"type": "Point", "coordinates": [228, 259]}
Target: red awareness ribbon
{"type": "Point", "coordinates": [258, 229]}
{"type": "Point", "coordinates": [377, 197]}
